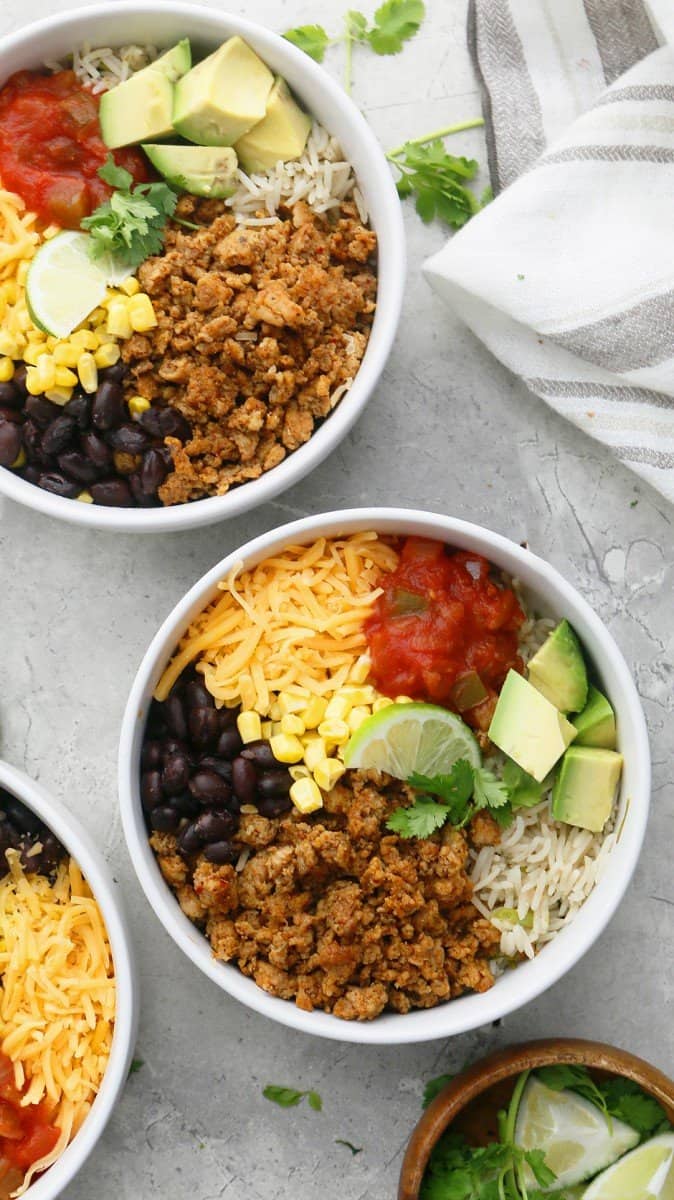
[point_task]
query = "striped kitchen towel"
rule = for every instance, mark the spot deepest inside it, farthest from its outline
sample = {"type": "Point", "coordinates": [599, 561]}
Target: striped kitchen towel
{"type": "Point", "coordinates": [568, 276]}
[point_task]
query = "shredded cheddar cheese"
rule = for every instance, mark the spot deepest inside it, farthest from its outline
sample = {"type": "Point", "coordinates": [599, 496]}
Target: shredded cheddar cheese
{"type": "Point", "coordinates": [57, 992]}
{"type": "Point", "coordinates": [293, 622]}
{"type": "Point", "coordinates": [18, 236]}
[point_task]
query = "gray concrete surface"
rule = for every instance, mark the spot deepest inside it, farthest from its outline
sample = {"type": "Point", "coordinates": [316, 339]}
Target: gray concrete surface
{"type": "Point", "coordinates": [449, 430]}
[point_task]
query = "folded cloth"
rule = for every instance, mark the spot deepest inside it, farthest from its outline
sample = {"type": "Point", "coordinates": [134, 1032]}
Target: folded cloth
{"type": "Point", "coordinates": [568, 275]}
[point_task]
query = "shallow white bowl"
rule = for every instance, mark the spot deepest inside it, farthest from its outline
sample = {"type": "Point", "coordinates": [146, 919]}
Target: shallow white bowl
{"type": "Point", "coordinates": [80, 846]}
{"type": "Point", "coordinates": [163, 24]}
{"type": "Point", "coordinates": [548, 591]}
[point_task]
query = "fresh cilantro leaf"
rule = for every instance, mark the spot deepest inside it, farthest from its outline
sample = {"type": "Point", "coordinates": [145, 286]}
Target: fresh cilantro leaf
{"type": "Point", "coordinates": [524, 790]}
{"type": "Point", "coordinates": [354, 1149]}
{"type": "Point", "coordinates": [314, 1101]}
{"type": "Point", "coordinates": [577, 1079]}
{"type": "Point", "coordinates": [455, 788]}
{"type": "Point", "coordinates": [355, 26]}
{"type": "Point", "coordinates": [434, 1087]}
{"type": "Point", "coordinates": [542, 1173]}
{"type": "Point", "coordinates": [633, 503]}
{"type": "Point", "coordinates": [629, 1103]}
{"type": "Point", "coordinates": [489, 792]}
{"type": "Point", "coordinates": [136, 1064]}
{"type": "Point", "coordinates": [420, 820]}
{"type": "Point", "coordinates": [130, 225]}
{"type": "Point", "coordinates": [116, 177]}
{"type": "Point", "coordinates": [437, 180]}
{"type": "Point", "coordinates": [288, 1097]}
{"type": "Point", "coordinates": [312, 39]}
{"type": "Point", "coordinates": [394, 22]}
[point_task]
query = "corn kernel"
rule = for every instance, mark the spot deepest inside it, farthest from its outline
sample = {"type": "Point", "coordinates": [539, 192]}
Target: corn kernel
{"type": "Point", "coordinates": [45, 370]}
{"type": "Point", "coordinates": [20, 460]}
{"type": "Point", "coordinates": [50, 341]}
{"type": "Point", "coordinates": [10, 291]}
{"type": "Point", "coordinates": [315, 750]}
{"type": "Point", "coordinates": [85, 497]}
{"type": "Point", "coordinates": [306, 795]}
{"type": "Point", "coordinates": [96, 316]}
{"type": "Point", "coordinates": [290, 723]}
{"type": "Point", "coordinates": [33, 385]}
{"type": "Point", "coordinates": [130, 286]}
{"type": "Point", "coordinates": [23, 318]}
{"type": "Point", "coordinates": [359, 695]}
{"type": "Point", "coordinates": [299, 772]}
{"type": "Point", "coordinates": [65, 377]}
{"type": "Point", "coordinates": [141, 313]}
{"type": "Point", "coordinates": [266, 730]}
{"type": "Point", "coordinates": [286, 748]}
{"type": "Point", "coordinates": [249, 726]}
{"type": "Point", "coordinates": [314, 712]}
{"type": "Point", "coordinates": [275, 729]}
{"type": "Point", "coordinates": [403, 700]}
{"type": "Point", "coordinates": [103, 337]}
{"type": "Point", "coordinates": [84, 339]}
{"type": "Point", "coordinates": [88, 372]}
{"type": "Point", "coordinates": [59, 395]}
{"type": "Point", "coordinates": [381, 702]}
{"type": "Point", "coordinates": [327, 772]}
{"type": "Point", "coordinates": [8, 345]}
{"type": "Point", "coordinates": [337, 732]}
{"type": "Point", "coordinates": [33, 351]}
{"type": "Point", "coordinates": [50, 232]}
{"type": "Point", "coordinates": [275, 711]}
{"type": "Point", "coordinates": [6, 370]}
{"type": "Point", "coordinates": [360, 669]}
{"type": "Point", "coordinates": [288, 703]}
{"type": "Point", "coordinates": [66, 355]}
{"type": "Point", "coordinates": [107, 355]}
{"type": "Point", "coordinates": [119, 321]}
{"type": "Point", "coordinates": [339, 707]}
{"type": "Point", "coordinates": [138, 405]}
{"type": "Point", "coordinates": [356, 717]}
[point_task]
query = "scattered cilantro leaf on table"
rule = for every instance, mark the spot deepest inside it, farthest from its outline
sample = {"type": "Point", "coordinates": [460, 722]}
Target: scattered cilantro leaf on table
{"type": "Point", "coordinates": [130, 225]}
{"type": "Point", "coordinates": [136, 1064]}
{"type": "Point", "coordinates": [288, 1097]}
{"type": "Point", "coordinates": [350, 1146]}
{"type": "Point", "coordinates": [437, 180]}
{"type": "Point", "coordinates": [394, 22]}
{"type": "Point", "coordinates": [312, 39]}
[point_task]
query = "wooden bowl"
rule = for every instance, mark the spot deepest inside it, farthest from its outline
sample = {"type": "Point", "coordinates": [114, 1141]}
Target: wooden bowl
{"type": "Point", "coordinates": [473, 1098]}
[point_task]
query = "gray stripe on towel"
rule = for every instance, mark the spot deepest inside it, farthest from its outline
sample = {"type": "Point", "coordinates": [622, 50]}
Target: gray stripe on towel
{"type": "Point", "coordinates": [640, 336]}
{"type": "Point", "coordinates": [623, 33]}
{"type": "Point", "coordinates": [599, 153]}
{"type": "Point", "coordinates": [644, 91]}
{"type": "Point", "coordinates": [579, 389]}
{"type": "Point", "coordinates": [643, 454]}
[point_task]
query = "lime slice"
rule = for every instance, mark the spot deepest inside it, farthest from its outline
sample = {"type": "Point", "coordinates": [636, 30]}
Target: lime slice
{"type": "Point", "coordinates": [645, 1174]}
{"type": "Point", "coordinates": [63, 284]}
{"type": "Point", "coordinates": [403, 738]}
{"type": "Point", "coordinates": [572, 1132]}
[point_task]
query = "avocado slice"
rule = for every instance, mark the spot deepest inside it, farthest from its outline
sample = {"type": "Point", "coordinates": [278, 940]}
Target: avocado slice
{"type": "Point", "coordinates": [199, 170]}
{"type": "Point", "coordinates": [528, 728]}
{"type": "Point", "coordinates": [585, 787]}
{"type": "Point", "coordinates": [222, 97]}
{"type": "Point", "coordinates": [558, 670]}
{"type": "Point", "coordinates": [281, 134]}
{"type": "Point", "coordinates": [141, 108]}
{"type": "Point", "coordinates": [596, 723]}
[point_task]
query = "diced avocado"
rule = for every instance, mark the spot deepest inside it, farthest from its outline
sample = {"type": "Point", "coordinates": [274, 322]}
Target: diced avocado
{"type": "Point", "coordinates": [222, 97]}
{"type": "Point", "coordinates": [174, 63]}
{"type": "Point", "coordinates": [281, 134]}
{"type": "Point", "coordinates": [199, 170]}
{"type": "Point", "coordinates": [585, 787]}
{"type": "Point", "coordinates": [596, 723]}
{"type": "Point", "coordinates": [528, 728]}
{"type": "Point", "coordinates": [137, 110]}
{"type": "Point", "coordinates": [558, 670]}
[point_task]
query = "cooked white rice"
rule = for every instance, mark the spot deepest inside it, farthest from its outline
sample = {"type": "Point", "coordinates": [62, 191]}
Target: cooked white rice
{"type": "Point", "coordinates": [542, 870]}
{"type": "Point", "coordinates": [101, 67]}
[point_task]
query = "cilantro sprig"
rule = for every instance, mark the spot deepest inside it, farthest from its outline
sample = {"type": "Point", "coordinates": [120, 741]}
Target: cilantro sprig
{"type": "Point", "coordinates": [455, 797]}
{"type": "Point", "coordinates": [394, 22]}
{"type": "Point", "coordinates": [438, 181]}
{"type": "Point", "coordinates": [130, 226]}
{"type": "Point", "coordinates": [288, 1097]}
{"type": "Point", "coordinates": [615, 1097]}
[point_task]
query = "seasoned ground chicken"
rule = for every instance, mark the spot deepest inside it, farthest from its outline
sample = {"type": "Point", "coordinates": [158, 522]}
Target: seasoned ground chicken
{"type": "Point", "coordinates": [257, 328]}
{"type": "Point", "coordinates": [336, 912]}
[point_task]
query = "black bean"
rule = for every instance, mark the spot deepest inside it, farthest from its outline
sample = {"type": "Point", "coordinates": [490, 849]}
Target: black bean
{"type": "Point", "coordinates": [173, 745]}
{"type": "Point", "coordinates": [244, 779]}
{"type": "Point", "coordinates": [58, 485]}
{"type": "Point", "coordinates": [10, 443]}
{"type": "Point", "coordinates": [21, 817]}
{"type": "Point", "coordinates": [76, 465]}
{"type": "Point", "coordinates": [58, 435]}
{"type": "Point", "coordinates": [141, 498]}
{"type": "Point", "coordinates": [219, 765]}
{"type": "Point", "coordinates": [221, 853]}
{"type": "Point", "coordinates": [114, 374]}
{"type": "Point", "coordinates": [198, 695]}
{"type": "Point", "coordinates": [173, 424]}
{"type": "Point", "coordinates": [229, 744]}
{"type": "Point", "coordinates": [215, 826]}
{"type": "Point", "coordinates": [209, 788]}
{"type": "Point", "coordinates": [79, 408]}
{"type": "Point", "coordinates": [112, 492]}
{"type": "Point", "coordinates": [185, 804]}
{"type": "Point", "coordinates": [151, 755]}
{"type": "Point", "coordinates": [204, 726]}
{"type": "Point", "coordinates": [151, 789]}
{"type": "Point", "coordinates": [175, 775]}
{"type": "Point", "coordinates": [129, 438]}
{"type": "Point", "coordinates": [150, 421]}
{"type": "Point", "coordinates": [273, 806]}
{"type": "Point", "coordinates": [164, 819]}
{"type": "Point", "coordinates": [32, 442]}
{"type": "Point", "coordinates": [271, 783]}
{"type": "Point", "coordinates": [19, 378]}
{"type": "Point", "coordinates": [190, 839]}
{"type": "Point", "coordinates": [31, 473]}
{"type": "Point", "coordinates": [228, 717]}
{"type": "Point", "coordinates": [10, 395]}
{"type": "Point", "coordinates": [174, 714]}
{"type": "Point", "coordinates": [107, 409]}
{"type": "Point", "coordinates": [95, 449]}
{"type": "Point", "coordinates": [260, 753]}
{"type": "Point", "coordinates": [41, 411]}
{"type": "Point", "coordinates": [153, 471]}
{"type": "Point", "coordinates": [11, 414]}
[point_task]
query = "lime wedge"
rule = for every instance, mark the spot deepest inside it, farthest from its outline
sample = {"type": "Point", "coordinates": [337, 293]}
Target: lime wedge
{"type": "Point", "coordinates": [573, 1134]}
{"type": "Point", "coordinates": [645, 1174]}
{"type": "Point", "coordinates": [404, 738]}
{"type": "Point", "coordinates": [63, 284]}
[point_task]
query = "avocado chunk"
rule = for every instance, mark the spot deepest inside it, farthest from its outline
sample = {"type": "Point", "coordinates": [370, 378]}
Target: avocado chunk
{"type": "Point", "coordinates": [596, 723]}
{"type": "Point", "coordinates": [141, 108]}
{"type": "Point", "coordinates": [222, 97]}
{"type": "Point", "coordinates": [558, 670]}
{"type": "Point", "coordinates": [585, 787]}
{"type": "Point", "coordinates": [528, 728]}
{"type": "Point", "coordinates": [199, 170]}
{"type": "Point", "coordinates": [280, 135]}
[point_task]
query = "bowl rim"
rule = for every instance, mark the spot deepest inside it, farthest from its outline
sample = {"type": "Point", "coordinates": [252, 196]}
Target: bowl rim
{"type": "Point", "coordinates": [459, 1015]}
{"type": "Point", "coordinates": [501, 1064]}
{"type": "Point", "coordinates": [81, 847]}
{"type": "Point", "coordinates": [390, 234]}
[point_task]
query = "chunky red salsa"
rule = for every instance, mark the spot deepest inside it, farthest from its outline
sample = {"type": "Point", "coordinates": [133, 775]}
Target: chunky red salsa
{"type": "Point", "coordinates": [26, 1134]}
{"type": "Point", "coordinates": [444, 630]}
{"type": "Point", "coordinates": [51, 146]}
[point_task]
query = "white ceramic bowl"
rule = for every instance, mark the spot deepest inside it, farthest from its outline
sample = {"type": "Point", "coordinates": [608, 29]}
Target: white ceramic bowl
{"type": "Point", "coordinates": [163, 24]}
{"type": "Point", "coordinates": [78, 844]}
{"type": "Point", "coordinates": [550, 593]}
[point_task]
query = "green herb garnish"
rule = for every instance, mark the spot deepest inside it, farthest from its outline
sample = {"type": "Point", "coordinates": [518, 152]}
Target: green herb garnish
{"type": "Point", "coordinates": [288, 1097]}
{"type": "Point", "coordinates": [312, 39]}
{"type": "Point", "coordinates": [576, 1079]}
{"type": "Point", "coordinates": [136, 1064]}
{"type": "Point", "coordinates": [461, 793]}
{"type": "Point", "coordinates": [130, 226]}
{"type": "Point", "coordinates": [438, 181]}
{"type": "Point", "coordinates": [394, 22]}
{"type": "Point", "coordinates": [434, 1087]}
{"type": "Point", "coordinates": [354, 1149]}
{"type": "Point", "coordinates": [629, 1103]}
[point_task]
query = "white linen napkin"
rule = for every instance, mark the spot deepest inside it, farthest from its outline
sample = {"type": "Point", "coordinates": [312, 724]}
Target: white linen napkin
{"type": "Point", "coordinates": [568, 275]}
